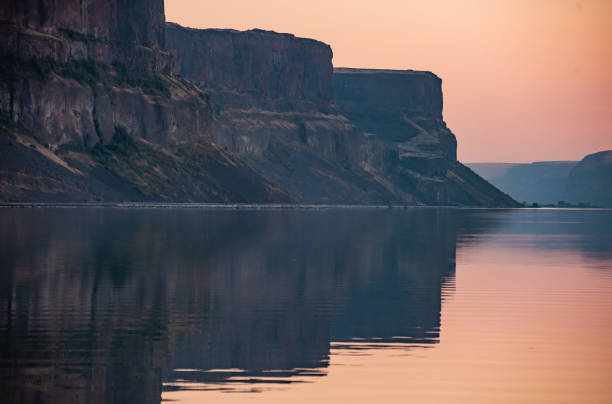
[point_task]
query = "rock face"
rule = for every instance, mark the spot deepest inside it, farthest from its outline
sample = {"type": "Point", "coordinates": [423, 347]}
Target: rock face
{"type": "Point", "coordinates": [76, 78]}
{"type": "Point", "coordinates": [401, 111]}
{"type": "Point", "coordinates": [128, 31]}
{"type": "Point", "coordinates": [371, 143]}
{"type": "Point", "coordinates": [591, 180]}
{"type": "Point", "coordinates": [91, 110]}
{"type": "Point", "coordinates": [255, 69]}
{"type": "Point", "coordinates": [400, 107]}
{"type": "Point", "coordinates": [74, 70]}
{"type": "Point", "coordinates": [273, 100]}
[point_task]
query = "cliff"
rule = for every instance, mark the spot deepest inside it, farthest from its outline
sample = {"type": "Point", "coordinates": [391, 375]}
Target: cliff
{"type": "Point", "coordinates": [371, 143]}
{"type": "Point", "coordinates": [591, 180]}
{"type": "Point", "coordinates": [261, 69]}
{"type": "Point", "coordinates": [401, 107]}
{"type": "Point", "coordinates": [89, 111]}
{"type": "Point", "coordinates": [127, 31]}
{"type": "Point", "coordinates": [273, 106]}
{"type": "Point", "coordinates": [401, 112]}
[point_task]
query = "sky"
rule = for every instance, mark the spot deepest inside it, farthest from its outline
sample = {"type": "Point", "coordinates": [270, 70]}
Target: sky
{"type": "Point", "coordinates": [523, 80]}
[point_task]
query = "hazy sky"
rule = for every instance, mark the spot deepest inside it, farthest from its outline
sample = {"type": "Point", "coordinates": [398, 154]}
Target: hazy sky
{"type": "Point", "coordinates": [523, 80]}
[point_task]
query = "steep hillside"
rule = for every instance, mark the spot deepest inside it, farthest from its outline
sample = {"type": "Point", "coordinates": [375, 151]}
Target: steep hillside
{"type": "Point", "coordinates": [548, 182]}
{"type": "Point", "coordinates": [543, 182]}
{"type": "Point", "coordinates": [591, 180]}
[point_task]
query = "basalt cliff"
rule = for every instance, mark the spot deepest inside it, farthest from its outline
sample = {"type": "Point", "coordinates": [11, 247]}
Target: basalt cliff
{"type": "Point", "coordinates": [325, 135]}
{"type": "Point", "coordinates": [102, 100]}
{"type": "Point", "coordinates": [91, 112]}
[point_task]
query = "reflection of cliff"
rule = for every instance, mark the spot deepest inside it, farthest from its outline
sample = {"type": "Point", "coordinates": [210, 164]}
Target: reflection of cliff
{"type": "Point", "coordinates": [102, 301]}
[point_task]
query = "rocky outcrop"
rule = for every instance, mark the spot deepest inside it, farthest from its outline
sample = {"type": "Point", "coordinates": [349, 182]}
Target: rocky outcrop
{"type": "Point", "coordinates": [591, 180]}
{"type": "Point", "coordinates": [255, 69]}
{"type": "Point", "coordinates": [374, 142]}
{"type": "Point", "coordinates": [88, 103]}
{"type": "Point", "coordinates": [127, 31]}
{"type": "Point", "coordinates": [400, 111]}
{"type": "Point", "coordinates": [273, 104]}
{"type": "Point", "coordinates": [400, 107]}
{"type": "Point", "coordinates": [74, 70]}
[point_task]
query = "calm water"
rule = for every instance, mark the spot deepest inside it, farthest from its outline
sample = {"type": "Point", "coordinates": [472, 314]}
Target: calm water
{"type": "Point", "coordinates": [386, 306]}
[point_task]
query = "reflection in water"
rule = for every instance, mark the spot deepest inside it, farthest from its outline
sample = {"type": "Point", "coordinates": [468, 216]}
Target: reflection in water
{"type": "Point", "coordinates": [109, 305]}
{"type": "Point", "coordinates": [102, 305]}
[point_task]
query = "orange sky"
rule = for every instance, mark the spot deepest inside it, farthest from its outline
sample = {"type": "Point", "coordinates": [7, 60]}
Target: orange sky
{"type": "Point", "coordinates": [524, 80]}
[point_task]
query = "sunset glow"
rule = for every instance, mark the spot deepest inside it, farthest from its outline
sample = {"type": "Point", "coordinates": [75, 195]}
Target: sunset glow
{"type": "Point", "coordinates": [523, 80]}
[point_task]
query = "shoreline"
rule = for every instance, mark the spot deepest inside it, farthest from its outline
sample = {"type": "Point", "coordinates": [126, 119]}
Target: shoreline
{"type": "Point", "coordinates": [220, 206]}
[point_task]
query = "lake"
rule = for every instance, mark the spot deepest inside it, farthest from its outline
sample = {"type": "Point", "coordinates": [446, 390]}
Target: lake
{"type": "Point", "coordinates": [112, 305]}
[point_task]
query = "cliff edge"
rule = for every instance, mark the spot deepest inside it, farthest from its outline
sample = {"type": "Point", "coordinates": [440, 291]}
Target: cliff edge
{"type": "Point", "coordinates": [89, 111]}
{"type": "Point", "coordinates": [101, 100]}
{"type": "Point", "coordinates": [349, 136]}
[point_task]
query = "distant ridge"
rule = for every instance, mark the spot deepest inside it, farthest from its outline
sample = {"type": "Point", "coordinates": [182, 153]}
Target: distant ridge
{"type": "Point", "coordinates": [549, 182]}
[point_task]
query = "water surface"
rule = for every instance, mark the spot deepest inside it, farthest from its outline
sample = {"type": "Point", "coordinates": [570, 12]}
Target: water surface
{"type": "Point", "coordinates": [338, 305]}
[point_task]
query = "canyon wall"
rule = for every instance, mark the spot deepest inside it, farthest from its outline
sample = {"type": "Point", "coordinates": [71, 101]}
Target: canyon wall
{"type": "Point", "coordinates": [402, 111]}
{"type": "Point", "coordinates": [89, 110]}
{"type": "Point", "coordinates": [256, 68]}
{"type": "Point", "coordinates": [349, 136]}
{"type": "Point", "coordinates": [93, 109]}
{"type": "Point", "coordinates": [400, 107]}
{"type": "Point", "coordinates": [127, 31]}
{"type": "Point", "coordinates": [273, 106]}
{"type": "Point", "coordinates": [74, 70]}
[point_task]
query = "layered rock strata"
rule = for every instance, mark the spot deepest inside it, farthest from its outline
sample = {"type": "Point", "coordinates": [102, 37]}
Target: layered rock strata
{"type": "Point", "coordinates": [90, 111]}
{"type": "Point", "coordinates": [349, 136]}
